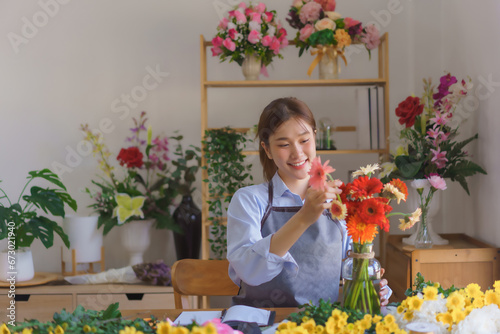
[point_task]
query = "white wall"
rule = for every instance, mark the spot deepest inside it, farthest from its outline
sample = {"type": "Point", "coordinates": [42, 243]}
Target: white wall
{"type": "Point", "coordinates": [91, 54]}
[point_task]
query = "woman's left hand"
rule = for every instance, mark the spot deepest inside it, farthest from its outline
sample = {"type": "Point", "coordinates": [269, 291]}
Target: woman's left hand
{"type": "Point", "coordinates": [384, 291]}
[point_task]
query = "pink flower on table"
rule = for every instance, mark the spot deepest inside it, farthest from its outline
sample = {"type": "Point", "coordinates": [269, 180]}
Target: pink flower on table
{"type": "Point", "coordinates": [267, 40]}
{"type": "Point", "coordinates": [231, 13]}
{"type": "Point", "coordinates": [223, 23]}
{"type": "Point", "coordinates": [249, 11]}
{"type": "Point", "coordinates": [255, 17]}
{"type": "Point", "coordinates": [233, 34]}
{"type": "Point", "coordinates": [275, 45]}
{"type": "Point", "coordinates": [437, 182]}
{"type": "Point", "coordinates": [260, 8]}
{"type": "Point", "coordinates": [240, 17]}
{"type": "Point", "coordinates": [268, 16]}
{"type": "Point", "coordinates": [229, 44]}
{"type": "Point", "coordinates": [220, 327]}
{"type": "Point", "coordinates": [310, 12]}
{"type": "Point", "coordinates": [350, 22]}
{"type": "Point", "coordinates": [216, 51]}
{"type": "Point", "coordinates": [281, 34]}
{"type": "Point", "coordinates": [254, 37]}
{"type": "Point", "coordinates": [371, 38]}
{"type": "Point", "coordinates": [327, 5]}
{"type": "Point", "coordinates": [217, 41]}
{"type": "Point", "coordinates": [439, 158]}
{"type": "Point", "coordinates": [284, 43]}
{"type": "Point", "coordinates": [305, 32]}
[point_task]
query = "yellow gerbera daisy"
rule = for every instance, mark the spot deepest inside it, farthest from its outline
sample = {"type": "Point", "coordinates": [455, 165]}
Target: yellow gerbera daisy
{"type": "Point", "coordinates": [415, 303]}
{"type": "Point", "coordinates": [163, 327]}
{"type": "Point", "coordinates": [130, 330]}
{"type": "Point", "coordinates": [4, 329]}
{"type": "Point", "coordinates": [338, 210]}
{"type": "Point", "coordinates": [430, 293]}
{"type": "Point", "coordinates": [491, 297]}
{"type": "Point", "coordinates": [455, 301]}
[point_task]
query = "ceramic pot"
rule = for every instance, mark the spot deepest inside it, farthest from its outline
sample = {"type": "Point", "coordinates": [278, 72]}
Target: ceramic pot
{"type": "Point", "coordinates": [16, 265]}
{"type": "Point", "coordinates": [136, 238]}
{"type": "Point", "coordinates": [84, 238]}
{"type": "Point", "coordinates": [251, 67]}
{"type": "Point", "coordinates": [188, 216]}
{"type": "Point", "coordinates": [328, 67]}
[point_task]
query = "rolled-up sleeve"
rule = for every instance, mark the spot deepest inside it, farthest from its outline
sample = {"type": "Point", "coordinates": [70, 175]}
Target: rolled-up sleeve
{"type": "Point", "coordinates": [247, 251]}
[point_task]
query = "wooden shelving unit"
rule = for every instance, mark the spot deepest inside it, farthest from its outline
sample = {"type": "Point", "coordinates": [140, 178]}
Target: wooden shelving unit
{"type": "Point", "coordinates": [382, 81]}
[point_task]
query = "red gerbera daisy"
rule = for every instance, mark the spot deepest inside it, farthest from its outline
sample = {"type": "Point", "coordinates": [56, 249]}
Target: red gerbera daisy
{"type": "Point", "coordinates": [371, 211]}
{"type": "Point", "coordinates": [359, 231]}
{"type": "Point", "coordinates": [319, 173]}
{"type": "Point", "coordinates": [365, 187]}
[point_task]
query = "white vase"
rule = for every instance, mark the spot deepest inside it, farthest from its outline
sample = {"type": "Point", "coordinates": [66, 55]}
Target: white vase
{"type": "Point", "coordinates": [16, 265]}
{"type": "Point", "coordinates": [433, 208]}
{"type": "Point", "coordinates": [84, 238]}
{"type": "Point", "coordinates": [251, 67]}
{"type": "Point", "coordinates": [136, 238]}
{"type": "Point", "coordinates": [328, 67]}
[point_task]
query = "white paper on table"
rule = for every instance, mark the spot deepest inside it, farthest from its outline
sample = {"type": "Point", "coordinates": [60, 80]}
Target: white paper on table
{"type": "Point", "coordinates": [187, 317]}
{"type": "Point", "coordinates": [121, 275]}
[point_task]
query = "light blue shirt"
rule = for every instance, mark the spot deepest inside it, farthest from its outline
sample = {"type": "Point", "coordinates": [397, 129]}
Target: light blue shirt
{"type": "Point", "coordinates": [247, 251]}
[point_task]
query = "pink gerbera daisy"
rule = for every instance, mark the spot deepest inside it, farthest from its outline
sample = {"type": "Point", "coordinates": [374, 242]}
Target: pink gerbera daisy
{"type": "Point", "coordinates": [319, 173]}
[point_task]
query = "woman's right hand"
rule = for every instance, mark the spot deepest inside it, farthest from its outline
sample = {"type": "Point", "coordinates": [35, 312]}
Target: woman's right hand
{"type": "Point", "coordinates": [316, 202]}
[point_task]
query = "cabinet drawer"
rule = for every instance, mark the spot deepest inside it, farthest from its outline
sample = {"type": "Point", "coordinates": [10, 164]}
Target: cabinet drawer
{"type": "Point", "coordinates": [127, 301]}
{"type": "Point", "coordinates": [40, 307]}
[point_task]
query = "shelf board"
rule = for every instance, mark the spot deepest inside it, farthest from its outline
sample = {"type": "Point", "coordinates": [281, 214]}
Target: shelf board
{"type": "Point", "coordinates": [296, 83]}
{"type": "Point", "coordinates": [319, 152]}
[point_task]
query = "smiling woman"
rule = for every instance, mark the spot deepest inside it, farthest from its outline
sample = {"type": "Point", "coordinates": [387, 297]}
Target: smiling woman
{"type": "Point", "coordinates": [284, 249]}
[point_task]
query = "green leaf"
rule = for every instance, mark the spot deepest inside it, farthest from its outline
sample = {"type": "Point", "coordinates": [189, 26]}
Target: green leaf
{"type": "Point", "coordinates": [112, 312]}
{"type": "Point", "coordinates": [47, 200]}
{"type": "Point", "coordinates": [407, 166]}
{"type": "Point", "coordinates": [47, 175]}
{"type": "Point", "coordinates": [43, 228]}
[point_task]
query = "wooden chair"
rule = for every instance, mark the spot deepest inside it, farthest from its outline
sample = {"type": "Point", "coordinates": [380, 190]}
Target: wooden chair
{"type": "Point", "coordinates": [193, 277]}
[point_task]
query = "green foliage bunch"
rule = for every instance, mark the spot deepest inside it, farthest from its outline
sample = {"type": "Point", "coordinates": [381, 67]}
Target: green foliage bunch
{"type": "Point", "coordinates": [227, 172]}
{"type": "Point", "coordinates": [22, 222]}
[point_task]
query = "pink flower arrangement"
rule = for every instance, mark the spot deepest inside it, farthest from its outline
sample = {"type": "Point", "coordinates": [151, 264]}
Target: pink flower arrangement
{"type": "Point", "coordinates": [249, 30]}
{"type": "Point", "coordinates": [429, 128]}
{"type": "Point", "coordinates": [319, 25]}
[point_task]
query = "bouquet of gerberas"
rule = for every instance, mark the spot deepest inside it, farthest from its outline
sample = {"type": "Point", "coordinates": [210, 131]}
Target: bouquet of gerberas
{"type": "Point", "coordinates": [249, 30]}
{"type": "Point", "coordinates": [320, 27]}
{"type": "Point", "coordinates": [365, 206]}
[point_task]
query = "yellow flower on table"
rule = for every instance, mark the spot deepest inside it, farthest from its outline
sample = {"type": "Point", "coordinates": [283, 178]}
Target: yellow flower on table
{"type": "Point", "coordinates": [130, 330]}
{"type": "Point", "coordinates": [128, 207]}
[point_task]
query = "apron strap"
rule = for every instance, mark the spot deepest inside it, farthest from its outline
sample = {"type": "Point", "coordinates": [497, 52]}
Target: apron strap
{"type": "Point", "coordinates": [269, 204]}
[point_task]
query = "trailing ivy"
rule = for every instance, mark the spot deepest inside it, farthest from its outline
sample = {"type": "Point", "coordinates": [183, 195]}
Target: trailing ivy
{"type": "Point", "coordinates": [227, 172]}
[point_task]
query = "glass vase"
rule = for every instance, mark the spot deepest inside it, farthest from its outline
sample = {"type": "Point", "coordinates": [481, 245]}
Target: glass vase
{"type": "Point", "coordinates": [423, 238]}
{"type": "Point", "coordinates": [361, 272]}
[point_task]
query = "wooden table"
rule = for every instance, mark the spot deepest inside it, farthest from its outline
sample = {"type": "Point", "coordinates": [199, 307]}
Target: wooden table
{"type": "Point", "coordinates": [172, 314]}
{"type": "Point", "coordinates": [464, 260]}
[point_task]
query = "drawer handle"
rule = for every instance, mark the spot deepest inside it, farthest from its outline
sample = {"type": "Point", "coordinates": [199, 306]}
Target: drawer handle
{"type": "Point", "coordinates": [21, 298]}
{"type": "Point", "coordinates": [134, 296]}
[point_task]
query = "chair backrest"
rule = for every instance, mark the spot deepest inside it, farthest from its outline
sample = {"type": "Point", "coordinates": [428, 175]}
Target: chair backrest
{"type": "Point", "coordinates": [193, 277]}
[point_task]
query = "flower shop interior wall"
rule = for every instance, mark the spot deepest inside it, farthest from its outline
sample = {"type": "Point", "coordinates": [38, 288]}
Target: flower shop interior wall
{"type": "Point", "coordinates": [67, 63]}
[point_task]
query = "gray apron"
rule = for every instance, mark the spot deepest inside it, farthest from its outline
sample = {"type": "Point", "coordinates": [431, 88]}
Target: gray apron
{"type": "Point", "coordinates": [318, 253]}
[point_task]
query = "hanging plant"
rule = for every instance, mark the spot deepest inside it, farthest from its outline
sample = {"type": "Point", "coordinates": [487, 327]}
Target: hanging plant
{"type": "Point", "coordinates": [227, 172]}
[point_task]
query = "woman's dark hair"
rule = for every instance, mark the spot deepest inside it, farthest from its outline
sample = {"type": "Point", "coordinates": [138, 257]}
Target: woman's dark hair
{"type": "Point", "coordinates": [276, 113]}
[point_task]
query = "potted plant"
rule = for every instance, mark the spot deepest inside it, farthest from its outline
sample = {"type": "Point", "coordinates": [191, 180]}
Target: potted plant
{"type": "Point", "coordinates": [325, 30]}
{"type": "Point", "coordinates": [187, 215]}
{"type": "Point", "coordinates": [251, 36]}
{"type": "Point", "coordinates": [21, 222]}
{"type": "Point", "coordinates": [227, 172]}
{"type": "Point", "coordinates": [138, 195]}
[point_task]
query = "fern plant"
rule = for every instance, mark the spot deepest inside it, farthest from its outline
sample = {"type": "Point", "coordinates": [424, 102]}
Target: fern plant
{"type": "Point", "coordinates": [227, 172]}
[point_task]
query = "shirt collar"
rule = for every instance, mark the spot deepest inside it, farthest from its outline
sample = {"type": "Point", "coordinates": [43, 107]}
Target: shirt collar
{"type": "Point", "coordinates": [279, 187]}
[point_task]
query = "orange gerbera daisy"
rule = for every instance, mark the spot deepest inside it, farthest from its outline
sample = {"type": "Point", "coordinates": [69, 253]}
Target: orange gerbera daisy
{"type": "Point", "coordinates": [319, 173]}
{"type": "Point", "coordinates": [371, 211]}
{"type": "Point", "coordinates": [359, 231]}
{"type": "Point", "coordinates": [364, 187]}
{"type": "Point", "coordinates": [401, 187]}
